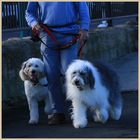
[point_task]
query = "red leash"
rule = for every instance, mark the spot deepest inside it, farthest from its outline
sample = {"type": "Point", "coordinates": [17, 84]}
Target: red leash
{"type": "Point", "coordinates": [47, 30]}
{"type": "Point", "coordinates": [80, 51]}
{"type": "Point", "coordinates": [67, 45]}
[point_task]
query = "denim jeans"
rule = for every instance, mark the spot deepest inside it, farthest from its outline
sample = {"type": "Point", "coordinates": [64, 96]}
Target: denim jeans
{"type": "Point", "coordinates": [56, 63]}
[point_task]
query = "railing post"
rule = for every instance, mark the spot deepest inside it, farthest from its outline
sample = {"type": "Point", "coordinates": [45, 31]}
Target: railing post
{"type": "Point", "coordinates": [20, 19]}
{"type": "Point", "coordinates": [109, 12]}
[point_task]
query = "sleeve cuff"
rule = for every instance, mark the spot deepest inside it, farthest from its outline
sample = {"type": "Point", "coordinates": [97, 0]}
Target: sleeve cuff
{"type": "Point", "coordinates": [33, 23]}
{"type": "Point", "coordinates": [85, 27]}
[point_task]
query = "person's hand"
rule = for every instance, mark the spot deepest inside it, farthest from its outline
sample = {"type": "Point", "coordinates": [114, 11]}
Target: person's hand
{"type": "Point", "coordinates": [83, 36]}
{"type": "Point", "coordinates": [37, 28]}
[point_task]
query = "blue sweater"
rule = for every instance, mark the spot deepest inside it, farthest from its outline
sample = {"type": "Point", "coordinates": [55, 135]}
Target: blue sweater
{"type": "Point", "coordinates": [59, 14]}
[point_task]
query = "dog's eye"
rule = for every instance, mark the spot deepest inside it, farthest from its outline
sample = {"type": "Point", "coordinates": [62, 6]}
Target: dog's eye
{"type": "Point", "coordinates": [36, 66]}
{"type": "Point", "coordinates": [74, 72]}
{"type": "Point", "coordinates": [29, 65]}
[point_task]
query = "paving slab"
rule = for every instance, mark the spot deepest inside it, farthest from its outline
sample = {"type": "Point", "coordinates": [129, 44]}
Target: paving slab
{"type": "Point", "coordinates": [15, 124]}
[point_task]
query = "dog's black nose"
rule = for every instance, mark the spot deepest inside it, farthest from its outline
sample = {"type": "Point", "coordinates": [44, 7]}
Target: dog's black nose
{"type": "Point", "coordinates": [76, 82]}
{"type": "Point", "coordinates": [33, 71]}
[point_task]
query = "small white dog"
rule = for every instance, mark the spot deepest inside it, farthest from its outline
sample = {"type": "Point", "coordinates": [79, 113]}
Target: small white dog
{"type": "Point", "coordinates": [95, 87]}
{"type": "Point", "coordinates": [36, 87]}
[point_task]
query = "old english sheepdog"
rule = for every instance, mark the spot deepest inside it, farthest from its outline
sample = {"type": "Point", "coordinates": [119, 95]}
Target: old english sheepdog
{"type": "Point", "coordinates": [94, 86]}
{"type": "Point", "coordinates": [36, 87]}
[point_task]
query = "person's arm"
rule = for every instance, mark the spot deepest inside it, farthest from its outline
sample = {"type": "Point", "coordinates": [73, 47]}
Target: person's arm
{"type": "Point", "coordinates": [84, 21]}
{"type": "Point", "coordinates": [83, 15]}
{"type": "Point", "coordinates": [31, 15]}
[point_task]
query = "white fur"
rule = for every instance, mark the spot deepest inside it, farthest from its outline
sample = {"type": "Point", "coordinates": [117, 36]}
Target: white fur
{"type": "Point", "coordinates": [95, 98]}
{"type": "Point", "coordinates": [37, 92]}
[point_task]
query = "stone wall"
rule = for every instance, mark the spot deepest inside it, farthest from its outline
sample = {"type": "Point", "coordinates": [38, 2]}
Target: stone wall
{"type": "Point", "coordinates": [14, 52]}
{"type": "Point", "coordinates": [111, 43]}
{"type": "Point", "coordinates": [104, 44]}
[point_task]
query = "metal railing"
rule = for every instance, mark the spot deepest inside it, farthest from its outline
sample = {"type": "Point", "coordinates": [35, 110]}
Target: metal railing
{"type": "Point", "coordinates": [13, 13]}
{"type": "Point", "coordinates": [112, 9]}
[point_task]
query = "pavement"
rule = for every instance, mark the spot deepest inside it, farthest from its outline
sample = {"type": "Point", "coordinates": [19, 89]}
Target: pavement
{"type": "Point", "coordinates": [15, 124]}
{"type": "Point", "coordinates": [15, 120]}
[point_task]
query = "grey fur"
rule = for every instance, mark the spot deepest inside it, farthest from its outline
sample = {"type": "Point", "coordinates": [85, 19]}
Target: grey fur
{"type": "Point", "coordinates": [91, 78]}
{"type": "Point", "coordinates": [110, 79]}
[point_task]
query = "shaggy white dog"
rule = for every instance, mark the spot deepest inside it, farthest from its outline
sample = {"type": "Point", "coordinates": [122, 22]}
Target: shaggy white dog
{"type": "Point", "coordinates": [95, 87]}
{"type": "Point", "coordinates": [36, 87]}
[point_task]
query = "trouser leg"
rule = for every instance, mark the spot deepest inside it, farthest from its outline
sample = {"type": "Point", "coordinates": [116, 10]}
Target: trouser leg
{"type": "Point", "coordinates": [67, 56]}
{"type": "Point", "coordinates": [56, 63]}
{"type": "Point", "coordinates": [51, 59]}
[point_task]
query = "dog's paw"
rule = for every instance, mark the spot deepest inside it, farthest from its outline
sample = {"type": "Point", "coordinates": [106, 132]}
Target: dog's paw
{"type": "Point", "coordinates": [116, 113]}
{"type": "Point", "coordinates": [101, 116]}
{"type": "Point", "coordinates": [79, 124]}
{"type": "Point", "coordinates": [47, 110]}
{"type": "Point", "coordinates": [96, 118]}
{"type": "Point", "coordinates": [31, 121]}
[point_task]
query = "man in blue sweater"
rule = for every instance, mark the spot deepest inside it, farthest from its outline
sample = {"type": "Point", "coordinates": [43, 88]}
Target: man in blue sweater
{"type": "Point", "coordinates": [62, 18]}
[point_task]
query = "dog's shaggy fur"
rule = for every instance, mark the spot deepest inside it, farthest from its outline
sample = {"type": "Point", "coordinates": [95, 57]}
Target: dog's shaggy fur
{"type": "Point", "coordinates": [93, 86]}
{"type": "Point", "coordinates": [36, 89]}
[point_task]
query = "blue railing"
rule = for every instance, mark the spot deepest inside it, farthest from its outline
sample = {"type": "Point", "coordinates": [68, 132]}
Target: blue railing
{"type": "Point", "coordinates": [13, 13]}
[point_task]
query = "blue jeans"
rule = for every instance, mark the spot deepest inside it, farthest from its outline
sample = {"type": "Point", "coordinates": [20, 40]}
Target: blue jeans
{"type": "Point", "coordinates": [56, 63]}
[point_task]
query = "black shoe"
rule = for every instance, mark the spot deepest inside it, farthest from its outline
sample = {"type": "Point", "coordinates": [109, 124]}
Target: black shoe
{"type": "Point", "coordinates": [56, 118]}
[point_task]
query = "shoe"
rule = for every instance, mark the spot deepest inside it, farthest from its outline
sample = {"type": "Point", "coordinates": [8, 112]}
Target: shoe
{"type": "Point", "coordinates": [56, 118]}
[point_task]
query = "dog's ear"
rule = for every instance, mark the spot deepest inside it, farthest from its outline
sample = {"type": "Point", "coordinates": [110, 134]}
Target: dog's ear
{"type": "Point", "coordinates": [91, 79]}
{"type": "Point", "coordinates": [43, 72]}
{"type": "Point", "coordinates": [22, 74]}
{"type": "Point", "coordinates": [43, 76]}
{"type": "Point", "coordinates": [23, 66]}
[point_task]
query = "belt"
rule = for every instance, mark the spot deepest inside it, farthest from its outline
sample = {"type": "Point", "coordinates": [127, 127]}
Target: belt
{"type": "Point", "coordinates": [47, 29]}
{"type": "Point", "coordinates": [60, 26]}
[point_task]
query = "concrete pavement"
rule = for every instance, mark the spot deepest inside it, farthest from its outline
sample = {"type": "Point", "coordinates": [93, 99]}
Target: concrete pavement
{"type": "Point", "coordinates": [15, 124]}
